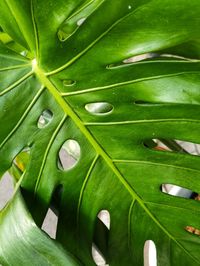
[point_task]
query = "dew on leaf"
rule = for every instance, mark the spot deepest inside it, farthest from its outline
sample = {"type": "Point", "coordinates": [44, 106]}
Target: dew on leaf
{"type": "Point", "coordinates": [69, 154]}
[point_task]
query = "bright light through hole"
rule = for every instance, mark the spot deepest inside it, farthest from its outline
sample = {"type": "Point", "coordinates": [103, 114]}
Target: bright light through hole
{"type": "Point", "coordinates": [150, 256]}
{"type": "Point", "coordinates": [69, 154]}
{"type": "Point", "coordinates": [176, 191]}
{"type": "Point", "coordinates": [98, 257]}
{"type": "Point", "coordinates": [104, 216]}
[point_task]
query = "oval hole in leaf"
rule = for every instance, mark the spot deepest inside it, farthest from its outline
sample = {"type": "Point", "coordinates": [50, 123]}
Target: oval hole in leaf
{"type": "Point", "coordinates": [80, 21]}
{"type": "Point", "coordinates": [99, 108]}
{"type": "Point", "coordinates": [50, 223]}
{"type": "Point", "coordinates": [45, 118]}
{"type": "Point", "coordinates": [174, 145]}
{"type": "Point", "coordinates": [131, 60]}
{"type": "Point", "coordinates": [150, 254]}
{"type": "Point", "coordinates": [20, 163]}
{"type": "Point", "coordinates": [138, 58]}
{"type": "Point", "coordinates": [76, 19]}
{"type": "Point", "coordinates": [100, 237]}
{"type": "Point", "coordinates": [6, 190]}
{"type": "Point", "coordinates": [178, 191]}
{"type": "Point", "coordinates": [192, 230]}
{"type": "Point", "coordinates": [189, 147]}
{"type": "Point", "coordinates": [104, 216]}
{"type": "Point", "coordinates": [69, 154]}
{"type": "Point", "coordinates": [24, 53]}
{"type": "Point", "coordinates": [68, 82]}
{"type": "Point", "coordinates": [97, 256]}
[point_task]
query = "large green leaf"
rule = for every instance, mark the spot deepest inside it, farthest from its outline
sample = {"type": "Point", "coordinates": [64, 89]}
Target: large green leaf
{"type": "Point", "coordinates": [56, 57]}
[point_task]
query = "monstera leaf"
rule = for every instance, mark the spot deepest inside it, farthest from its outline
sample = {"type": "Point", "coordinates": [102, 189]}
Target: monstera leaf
{"type": "Point", "coordinates": [72, 82]}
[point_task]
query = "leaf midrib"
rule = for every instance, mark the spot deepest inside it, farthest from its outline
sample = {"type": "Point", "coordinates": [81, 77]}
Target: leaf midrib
{"type": "Point", "coordinates": [100, 151]}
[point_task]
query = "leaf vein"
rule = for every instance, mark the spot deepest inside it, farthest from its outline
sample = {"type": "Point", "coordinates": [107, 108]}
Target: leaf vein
{"type": "Point", "coordinates": [47, 152]}
{"type": "Point", "coordinates": [92, 44]}
{"type": "Point", "coordinates": [127, 83]}
{"type": "Point", "coordinates": [16, 83]}
{"type": "Point", "coordinates": [22, 118]}
{"type": "Point", "coordinates": [67, 109]}
{"type": "Point", "coordinates": [84, 186]}
{"type": "Point", "coordinates": [174, 120]}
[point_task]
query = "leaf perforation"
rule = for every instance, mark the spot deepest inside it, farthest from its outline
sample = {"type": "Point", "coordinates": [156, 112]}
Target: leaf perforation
{"type": "Point", "coordinates": [92, 44]}
{"type": "Point", "coordinates": [67, 109]}
{"type": "Point", "coordinates": [86, 127]}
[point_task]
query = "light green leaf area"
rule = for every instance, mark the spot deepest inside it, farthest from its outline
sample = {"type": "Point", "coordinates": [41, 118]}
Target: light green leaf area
{"type": "Point", "coordinates": [70, 85]}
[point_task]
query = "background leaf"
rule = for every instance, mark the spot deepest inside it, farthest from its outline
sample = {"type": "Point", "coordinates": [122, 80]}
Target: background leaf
{"type": "Point", "coordinates": [23, 243]}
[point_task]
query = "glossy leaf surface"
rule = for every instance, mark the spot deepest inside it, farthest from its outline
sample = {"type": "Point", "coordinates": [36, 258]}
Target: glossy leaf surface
{"type": "Point", "coordinates": [23, 243]}
{"type": "Point", "coordinates": [78, 62]}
